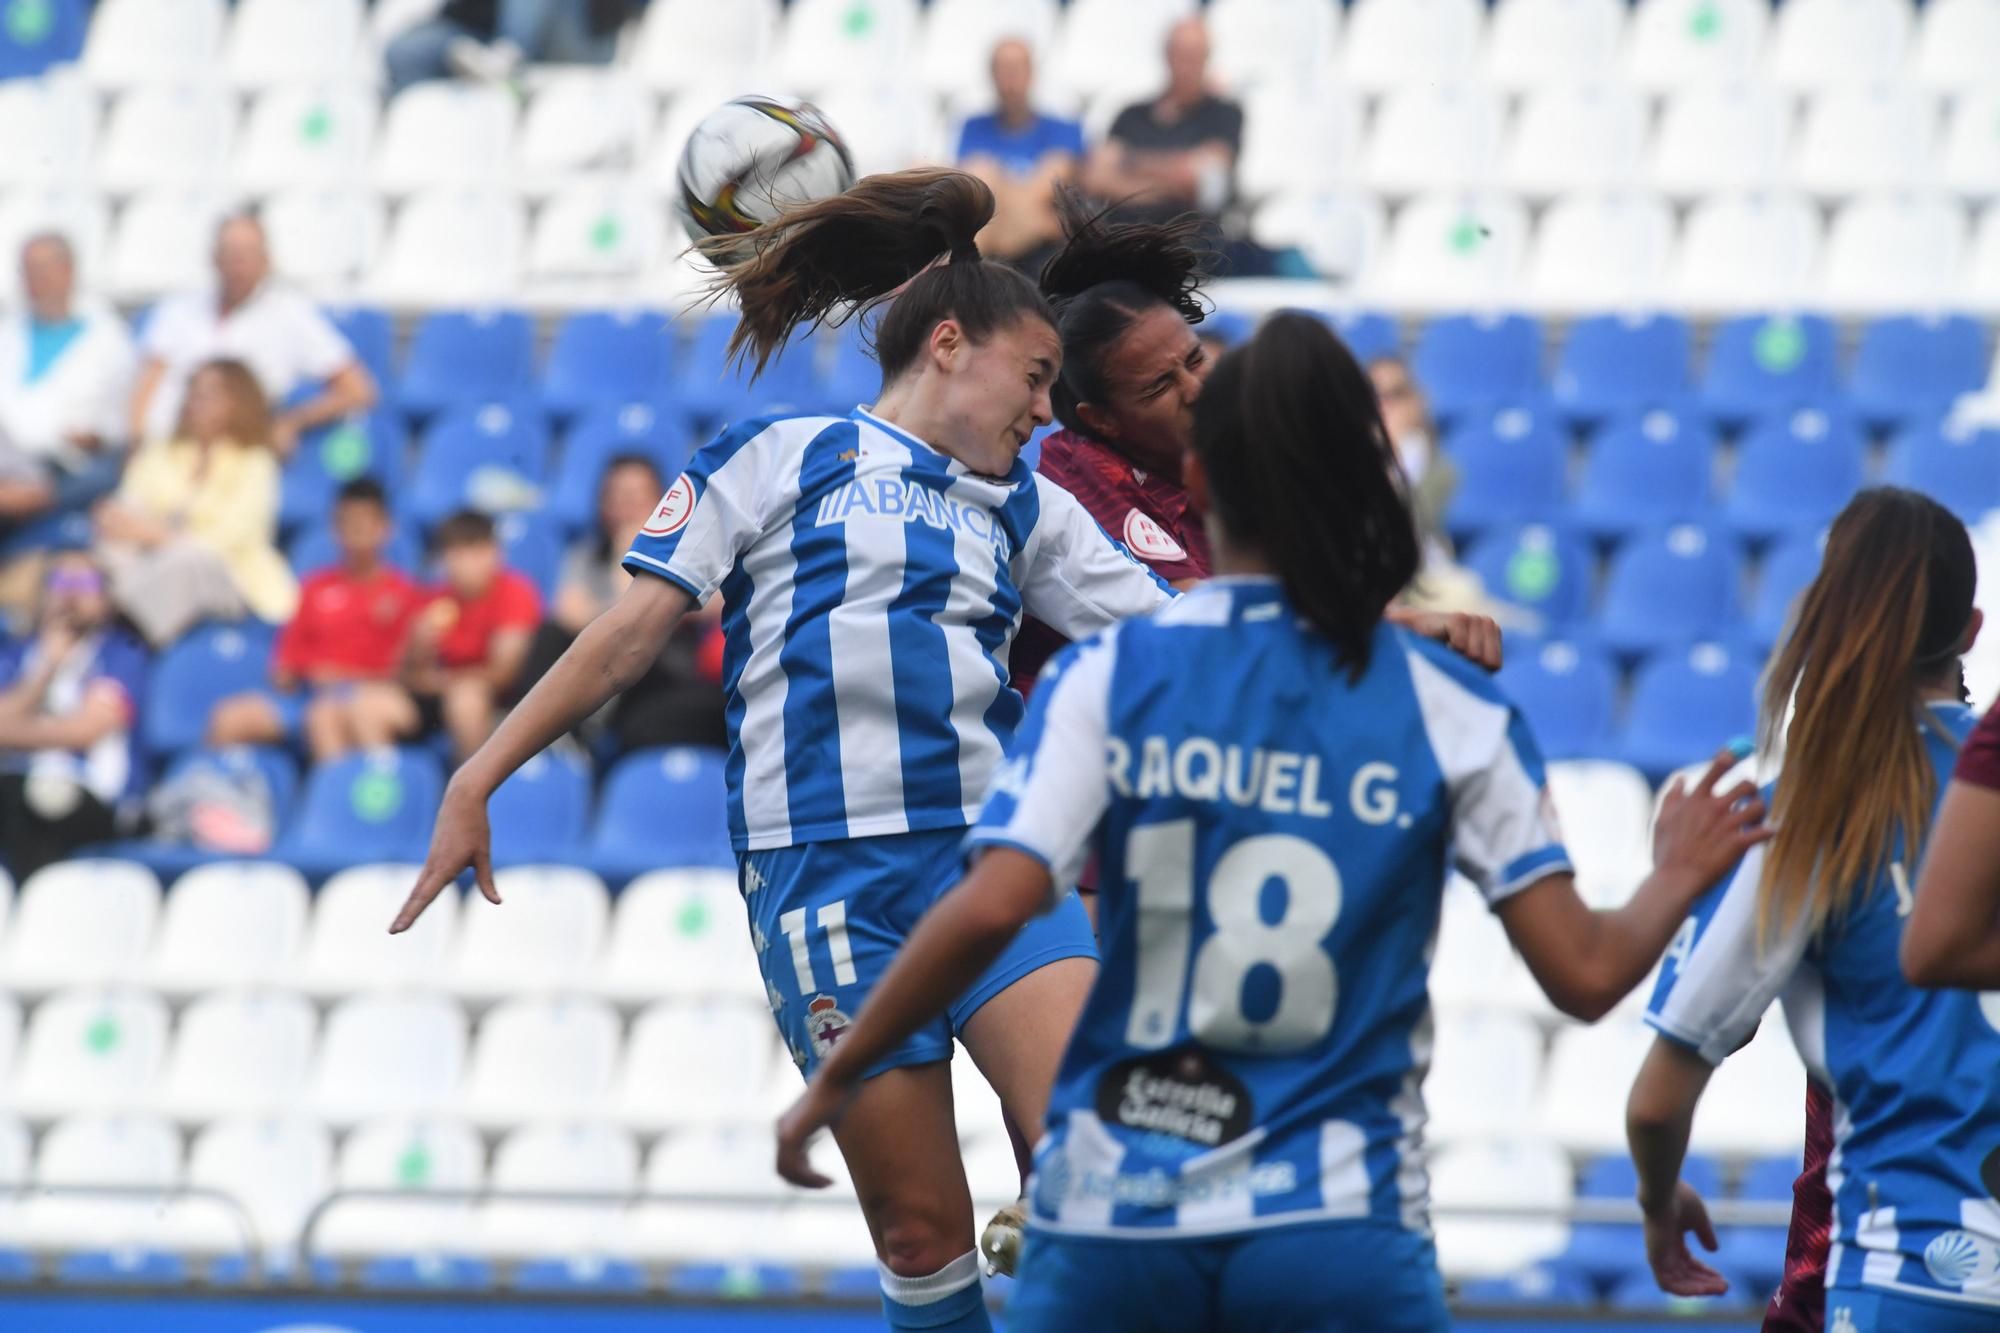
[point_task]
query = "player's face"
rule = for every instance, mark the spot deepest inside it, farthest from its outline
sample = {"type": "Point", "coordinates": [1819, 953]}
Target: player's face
{"type": "Point", "coordinates": [1154, 375]}
{"type": "Point", "coordinates": [998, 394]}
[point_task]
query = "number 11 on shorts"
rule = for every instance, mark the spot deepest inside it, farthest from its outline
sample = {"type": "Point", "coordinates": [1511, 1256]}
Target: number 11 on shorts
{"type": "Point", "coordinates": [833, 921]}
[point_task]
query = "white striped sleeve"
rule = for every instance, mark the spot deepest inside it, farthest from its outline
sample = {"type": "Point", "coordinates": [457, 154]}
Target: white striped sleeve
{"type": "Point", "coordinates": [1714, 989]}
{"type": "Point", "coordinates": [715, 509]}
{"type": "Point", "coordinates": [1078, 580]}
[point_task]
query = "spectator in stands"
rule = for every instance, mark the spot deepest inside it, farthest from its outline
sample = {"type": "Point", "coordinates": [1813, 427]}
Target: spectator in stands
{"type": "Point", "coordinates": [679, 702]}
{"type": "Point", "coordinates": [283, 337]}
{"type": "Point", "coordinates": [489, 40]}
{"type": "Point", "coordinates": [1177, 151]}
{"type": "Point", "coordinates": [65, 373]}
{"type": "Point", "coordinates": [69, 699]}
{"type": "Point", "coordinates": [1022, 155]}
{"type": "Point", "coordinates": [466, 647]}
{"type": "Point", "coordinates": [351, 625]}
{"type": "Point", "coordinates": [1407, 414]}
{"type": "Point", "coordinates": [191, 533]}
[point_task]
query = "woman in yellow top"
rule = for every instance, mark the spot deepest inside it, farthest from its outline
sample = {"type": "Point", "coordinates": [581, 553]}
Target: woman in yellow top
{"type": "Point", "coordinates": [191, 533]}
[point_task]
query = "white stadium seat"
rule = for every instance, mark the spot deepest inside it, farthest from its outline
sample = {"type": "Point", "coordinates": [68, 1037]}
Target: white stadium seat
{"type": "Point", "coordinates": [1117, 45]}
{"type": "Point", "coordinates": [1474, 966]}
{"type": "Point", "coordinates": [959, 37]}
{"type": "Point", "coordinates": [48, 129]}
{"type": "Point", "coordinates": [994, 1176]}
{"type": "Point", "coordinates": [1340, 232]}
{"type": "Point", "coordinates": [1981, 284]}
{"type": "Point", "coordinates": [152, 41]}
{"type": "Point", "coordinates": [697, 1062]}
{"type": "Point", "coordinates": [1538, 43]}
{"type": "Point", "coordinates": [1287, 44]}
{"type": "Point", "coordinates": [388, 1055]}
{"type": "Point", "coordinates": [166, 136]}
{"type": "Point", "coordinates": [1747, 253]}
{"type": "Point", "coordinates": [445, 133]}
{"type": "Point", "coordinates": [1601, 252]}
{"type": "Point", "coordinates": [1299, 141]}
{"type": "Point", "coordinates": [583, 1158]}
{"type": "Point", "coordinates": [592, 241]}
{"type": "Point", "coordinates": [139, 1155]}
{"type": "Point", "coordinates": [1889, 253]}
{"type": "Point", "coordinates": [1721, 137]}
{"type": "Point", "coordinates": [1878, 137]}
{"type": "Point", "coordinates": [164, 241]}
{"type": "Point", "coordinates": [1754, 1104]}
{"type": "Point", "coordinates": [1955, 43]}
{"type": "Point", "coordinates": [1434, 137]}
{"type": "Point", "coordinates": [277, 42]}
{"type": "Point", "coordinates": [81, 215]}
{"type": "Point", "coordinates": [731, 1165]}
{"type": "Point", "coordinates": [1578, 136]}
{"type": "Point", "coordinates": [10, 1039]}
{"type": "Point", "coordinates": [90, 1050]}
{"type": "Point", "coordinates": [1605, 812]}
{"type": "Point", "coordinates": [6, 901]}
{"type": "Point", "coordinates": [1485, 1072]}
{"type": "Point", "coordinates": [826, 43]}
{"type": "Point", "coordinates": [16, 1167]}
{"type": "Point", "coordinates": [306, 134]}
{"type": "Point", "coordinates": [1838, 43]}
{"type": "Point", "coordinates": [350, 949]}
{"type": "Point", "coordinates": [1590, 1072]}
{"type": "Point", "coordinates": [452, 246]}
{"type": "Point", "coordinates": [680, 933]}
{"type": "Point", "coordinates": [1409, 43]}
{"type": "Point", "coordinates": [239, 1053]}
{"type": "Point", "coordinates": [413, 1158]}
{"type": "Point", "coordinates": [546, 937]}
{"type": "Point", "coordinates": [580, 123]}
{"type": "Point", "coordinates": [1675, 43]}
{"type": "Point", "coordinates": [234, 923]}
{"type": "Point", "coordinates": [541, 1059]}
{"type": "Point", "coordinates": [1969, 161]}
{"type": "Point", "coordinates": [324, 240]}
{"type": "Point", "coordinates": [692, 43]}
{"type": "Point", "coordinates": [975, 1105]}
{"type": "Point", "coordinates": [80, 922]}
{"type": "Point", "coordinates": [1504, 1175]}
{"type": "Point", "coordinates": [1453, 251]}
{"type": "Point", "coordinates": [276, 1168]}
{"type": "Point", "coordinates": [888, 126]}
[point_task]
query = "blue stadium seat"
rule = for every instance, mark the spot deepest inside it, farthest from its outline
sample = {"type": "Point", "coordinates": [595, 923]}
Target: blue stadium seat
{"type": "Point", "coordinates": [1231, 326]}
{"type": "Point", "coordinates": [539, 815]}
{"type": "Point", "coordinates": [1645, 471]}
{"type": "Point", "coordinates": [601, 434]}
{"type": "Point", "coordinates": [1670, 587]}
{"type": "Point", "coordinates": [1469, 361]}
{"type": "Point", "coordinates": [852, 375]}
{"type": "Point", "coordinates": [35, 34]}
{"type": "Point", "coordinates": [1513, 467]}
{"type": "Point", "coordinates": [1787, 569]}
{"type": "Point", "coordinates": [1614, 365]}
{"type": "Point", "coordinates": [1639, 1294]}
{"type": "Point", "coordinates": [1909, 368]}
{"type": "Point", "coordinates": [426, 1273]}
{"type": "Point", "coordinates": [1536, 567]}
{"type": "Point", "coordinates": [602, 357]}
{"type": "Point", "coordinates": [334, 454]}
{"type": "Point", "coordinates": [314, 548]}
{"type": "Point", "coordinates": [1369, 334]}
{"type": "Point", "coordinates": [1686, 705]}
{"type": "Point", "coordinates": [124, 1267]}
{"type": "Point", "coordinates": [1568, 692]}
{"type": "Point", "coordinates": [533, 544]}
{"type": "Point", "coordinates": [1960, 469]}
{"type": "Point", "coordinates": [1549, 1285]}
{"type": "Point", "coordinates": [661, 808]}
{"type": "Point", "coordinates": [365, 807]}
{"type": "Point", "coordinates": [373, 334]}
{"type": "Point", "coordinates": [1759, 364]}
{"type": "Point", "coordinates": [459, 357]}
{"type": "Point", "coordinates": [1607, 1253]}
{"type": "Point", "coordinates": [1769, 1180]}
{"type": "Point", "coordinates": [1794, 472]}
{"type": "Point", "coordinates": [1752, 1258]}
{"type": "Point", "coordinates": [207, 665]}
{"type": "Point", "coordinates": [714, 389]}
{"type": "Point", "coordinates": [556, 1276]}
{"type": "Point", "coordinates": [707, 1282]}
{"type": "Point", "coordinates": [491, 458]}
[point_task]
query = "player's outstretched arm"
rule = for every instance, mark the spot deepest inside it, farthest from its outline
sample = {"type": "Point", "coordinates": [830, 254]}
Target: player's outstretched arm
{"type": "Point", "coordinates": [613, 651]}
{"type": "Point", "coordinates": [1953, 935]}
{"type": "Point", "coordinates": [1659, 1115]}
{"type": "Point", "coordinates": [955, 942]}
{"type": "Point", "coordinates": [1587, 960]}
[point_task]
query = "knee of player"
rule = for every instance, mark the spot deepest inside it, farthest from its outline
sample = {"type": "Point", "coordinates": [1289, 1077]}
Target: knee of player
{"type": "Point", "coordinates": [918, 1245]}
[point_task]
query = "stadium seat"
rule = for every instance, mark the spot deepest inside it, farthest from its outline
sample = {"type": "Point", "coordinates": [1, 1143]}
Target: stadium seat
{"type": "Point", "coordinates": [1113, 45]}
{"type": "Point", "coordinates": [1788, 568]}
{"type": "Point", "coordinates": [1909, 368]}
{"type": "Point", "coordinates": [828, 43]}
{"type": "Point", "coordinates": [956, 51]}
{"type": "Point", "coordinates": [1589, 1075]}
{"type": "Point", "coordinates": [581, 122]}
{"type": "Point", "coordinates": [376, 805]}
{"type": "Point", "coordinates": [1644, 471]}
{"type": "Point", "coordinates": [887, 126]}
{"type": "Point", "coordinates": [1481, 1086]}
{"type": "Point", "coordinates": [451, 245]}
{"type": "Point", "coordinates": [545, 942]}
{"type": "Point", "coordinates": [156, 137]}
{"type": "Point", "coordinates": [541, 1059]}
{"type": "Point", "coordinates": [1760, 365]}
{"type": "Point", "coordinates": [1982, 277]}
{"type": "Point", "coordinates": [1675, 43]}
{"type": "Point", "coordinates": [1450, 251]}
{"type": "Point", "coordinates": [1392, 44]}
{"type": "Point", "coordinates": [274, 43]}
{"type": "Point", "coordinates": [243, 765]}
{"type": "Point", "coordinates": [696, 1063]}
{"type": "Point", "coordinates": [162, 242]}
{"type": "Point", "coordinates": [138, 1155]}
{"type": "Point", "coordinates": [373, 336]}
{"type": "Point", "coordinates": [152, 41]}
{"type": "Point", "coordinates": [43, 36]}
{"type": "Point", "coordinates": [1721, 137]}
{"type": "Point", "coordinates": [1369, 334]}
{"type": "Point", "coordinates": [349, 948]}
{"type": "Point", "coordinates": [1969, 160]}
{"type": "Point", "coordinates": [1873, 137]}
{"type": "Point", "coordinates": [1299, 142]}
{"type": "Point", "coordinates": [1955, 465]}
{"type": "Point", "coordinates": [1607, 251]}
{"type": "Point", "coordinates": [15, 1165]}
{"type": "Point", "coordinates": [1901, 252]}
{"type": "Point", "coordinates": [1539, 568]}
{"type": "Point", "coordinates": [1434, 137]}
{"type": "Point", "coordinates": [445, 133]}
{"type": "Point", "coordinates": [324, 240]}
{"type": "Point", "coordinates": [491, 457]}
{"type": "Point", "coordinates": [89, 1050]}
{"type": "Point", "coordinates": [277, 1168]}
{"type": "Point", "coordinates": [1512, 468]}
{"type": "Point", "coordinates": [607, 358]}
{"type": "Point", "coordinates": [615, 429]}
{"type": "Point", "coordinates": [1754, 1106]}
{"type": "Point", "coordinates": [1574, 137]}
{"type": "Point", "coordinates": [1466, 362]}
{"type": "Point", "coordinates": [238, 1053]}
{"type": "Point", "coordinates": [467, 356]}
{"type": "Point", "coordinates": [1686, 705]}
{"type": "Point", "coordinates": [202, 668]}
{"type": "Point", "coordinates": [79, 922]}
{"type": "Point", "coordinates": [1272, 43]}
{"type": "Point", "coordinates": [239, 923]}
{"type": "Point", "coordinates": [730, 1167]}
{"type": "Point", "coordinates": [1608, 1253]}
{"type": "Point", "coordinates": [661, 808]}
{"type": "Point", "coordinates": [1668, 587]}
{"type": "Point", "coordinates": [1747, 252]}
{"type": "Point", "coordinates": [532, 545]}
{"type": "Point", "coordinates": [1568, 692]}
{"type": "Point", "coordinates": [411, 1157]}
{"type": "Point", "coordinates": [327, 458]}
{"type": "Point", "coordinates": [1605, 811]}
{"type": "Point", "coordinates": [388, 1055]}
{"type": "Point", "coordinates": [1534, 44]}
{"type": "Point", "coordinates": [1508, 1175]}
{"type": "Point", "coordinates": [1552, 1285]}
{"type": "Point", "coordinates": [306, 134]}
{"type": "Point", "coordinates": [581, 1158]}
{"type": "Point", "coordinates": [540, 813]}
{"type": "Point", "coordinates": [1612, 365]}
{"type": "Point", "coordinates": [1953, 37]}
{"type": "Point", "coordinates": [682, 44]}
{"type": "Point", "coordinates": [681, 933]}
{"type": "Point", "coordinates": [48, 128]}
{"type": "Point", "coordinates": [1838, 43]}
{"type": "Point", "coordinates": [592, 241]}
{"type": "Point", "coordinates": [1794, 472]}
{"type": "Point", "coordinates": [1338, 232]}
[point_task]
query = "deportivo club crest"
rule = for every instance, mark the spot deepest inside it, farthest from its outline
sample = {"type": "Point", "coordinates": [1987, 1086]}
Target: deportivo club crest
{"type": "Point", "coordinates": [824, 1023]}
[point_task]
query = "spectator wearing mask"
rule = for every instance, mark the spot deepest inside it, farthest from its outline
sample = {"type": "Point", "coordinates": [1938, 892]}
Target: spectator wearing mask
{"type": "Point", "coordinates": [1407, 414]}
{"type": "Point", "coordinates": [1177, 151]}
{"type": "Point", "coordinates": [466, 646]}
{"type": "Point", "coordinates": [490, 40]}
{"type": "Point", "coordinates": [65, 376]}
{"type": "Point", "coordinates": [249, 316]}
{"type": "Point", "coordinates": [1022, 155]}
{"type": "Point", "coordinates": [352, 621]}
{"type": "Point", "coordinates": [69, 697]}
{"type": "Point", "coordinates": [191, 533]}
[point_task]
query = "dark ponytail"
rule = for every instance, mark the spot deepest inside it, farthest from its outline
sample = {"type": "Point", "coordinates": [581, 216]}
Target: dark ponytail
{"type": "Point", "coordinates": [884, 236]}
{"type": "Point", "coordinates": [1300, 470]}
{"type": "Point", "coordinates": [1107, 274]}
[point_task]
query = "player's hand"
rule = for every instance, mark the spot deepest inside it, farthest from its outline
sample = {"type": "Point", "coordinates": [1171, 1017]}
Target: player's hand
{"type": "Point", "coordinates": [1674, 1266]}
{"type": "Point", "coordinates": [462, 838]}
{"type": "Point", "coordinates": [1475, 638]}
{"type": "Point", "coordinates": [817, 1108]}
{"type": "Point", "coordinates": [1702, 832]}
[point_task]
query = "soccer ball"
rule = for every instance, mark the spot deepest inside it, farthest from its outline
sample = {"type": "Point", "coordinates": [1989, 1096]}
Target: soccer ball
{"type": "Point", "coordinates": [751, 159]}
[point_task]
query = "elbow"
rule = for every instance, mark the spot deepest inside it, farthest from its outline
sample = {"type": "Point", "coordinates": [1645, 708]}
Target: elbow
{"type": "Point", "coordinates": [1924, 964]}
{"type": "Point", "coordinates": [1586, 994]}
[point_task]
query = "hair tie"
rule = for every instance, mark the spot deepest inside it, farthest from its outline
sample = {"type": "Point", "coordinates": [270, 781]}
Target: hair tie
{"type": "Point", "coordinates": [965, 251]}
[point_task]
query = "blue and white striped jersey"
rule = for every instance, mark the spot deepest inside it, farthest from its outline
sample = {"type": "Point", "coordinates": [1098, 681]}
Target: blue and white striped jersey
{"type": "Point", "coordinates": [1273, 838]}
{"type": "Point", "coordinates": [872, 587]}
{"type": "Point", "coordinates": [1915, 1074]}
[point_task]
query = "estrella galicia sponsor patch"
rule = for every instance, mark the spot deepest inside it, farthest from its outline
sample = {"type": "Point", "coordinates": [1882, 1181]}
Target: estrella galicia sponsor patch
{"type": "Point", "coordinates": [1181, 1093]}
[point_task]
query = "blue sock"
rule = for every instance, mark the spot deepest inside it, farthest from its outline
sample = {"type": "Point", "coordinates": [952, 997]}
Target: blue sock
{"type": "Point", "coordinates": [948, 1301]}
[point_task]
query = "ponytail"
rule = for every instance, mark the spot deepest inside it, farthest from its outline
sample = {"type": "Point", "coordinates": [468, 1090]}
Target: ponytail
{"type": "Point", "coordinates": [1299, 468]}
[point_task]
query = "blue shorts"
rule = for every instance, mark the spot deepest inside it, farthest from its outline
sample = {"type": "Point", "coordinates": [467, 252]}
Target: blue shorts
{"type": "Point", "coordinates": [1887, 1312]}
{"type": "Point", "coordinates": [1327, 1277]}
{"type": "Point", "coordinates": [828, 916]}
